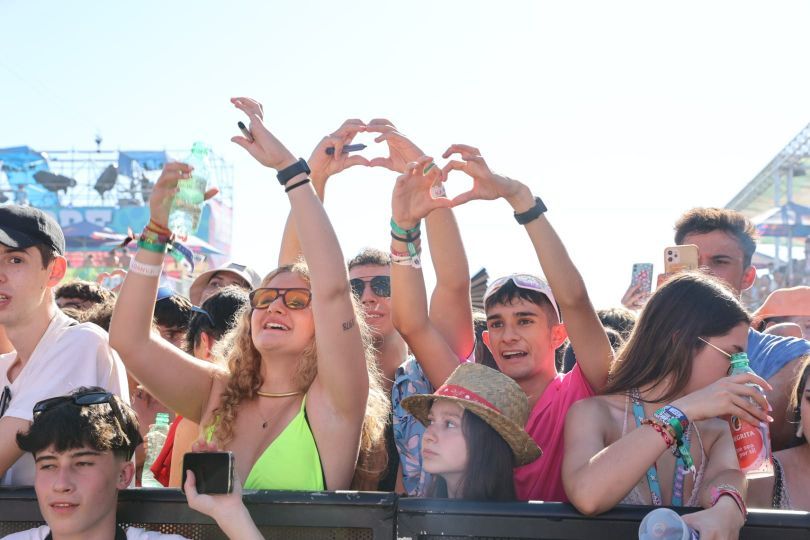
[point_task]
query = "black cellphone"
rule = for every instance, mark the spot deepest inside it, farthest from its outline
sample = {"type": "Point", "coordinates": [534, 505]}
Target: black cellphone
{"type": "Point", "coordinates": [213, 471]}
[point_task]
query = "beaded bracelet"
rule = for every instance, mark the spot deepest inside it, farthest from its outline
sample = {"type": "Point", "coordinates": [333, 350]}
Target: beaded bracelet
{"type": "Point", "coordinates": [661, 429]}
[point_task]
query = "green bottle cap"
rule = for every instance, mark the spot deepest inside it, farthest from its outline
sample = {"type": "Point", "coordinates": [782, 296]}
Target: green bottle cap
{"type": "Point", "coordinates": [739, 359]}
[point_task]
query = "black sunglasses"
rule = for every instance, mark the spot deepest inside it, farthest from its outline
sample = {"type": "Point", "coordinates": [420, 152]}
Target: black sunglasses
{"type": "Point", "coordinates": [5, 400]}
{"type": "Point", "coordinates": [380, 285]}
{"type": "Point", "coordinates": [83, 399]}
{"type": "Point", "coordinates": [204, 313]}
{"type": "Point", "coordinates": [296, 298]}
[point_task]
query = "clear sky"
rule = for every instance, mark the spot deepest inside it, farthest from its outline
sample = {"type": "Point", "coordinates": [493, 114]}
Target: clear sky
{"type": "Point", "coordinates": [619, 114]}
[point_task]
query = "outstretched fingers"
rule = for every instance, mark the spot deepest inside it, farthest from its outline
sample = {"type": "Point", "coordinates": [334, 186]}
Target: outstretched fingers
{"type": "Point", "coordinates": [466, 151]}
{"type": "Point", "coordinates": [249, 106]}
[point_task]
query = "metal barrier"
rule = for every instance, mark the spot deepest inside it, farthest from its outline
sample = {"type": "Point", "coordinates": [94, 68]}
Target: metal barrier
{"type": "Point", "coordinates": [378, 516]}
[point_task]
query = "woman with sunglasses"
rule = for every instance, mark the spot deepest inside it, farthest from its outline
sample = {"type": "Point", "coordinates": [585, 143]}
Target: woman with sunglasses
{"type": "Point", "coordinates": [296, 378]}
{"type": "Point", "coordinates": [623, 447]}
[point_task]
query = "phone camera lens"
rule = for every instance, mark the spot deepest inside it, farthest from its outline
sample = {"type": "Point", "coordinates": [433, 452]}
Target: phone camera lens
{"type": "Point", "coordinates": [669, 259]}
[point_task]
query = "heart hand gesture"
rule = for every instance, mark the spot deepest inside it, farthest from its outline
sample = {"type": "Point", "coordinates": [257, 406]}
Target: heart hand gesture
{"type": "Point", "coordinates": [324, 165]}
{"type": "Point", "coordinates": [412, 199]}
{"type": "Point", "coordinates": [486, 184]}
{"type": "Point", "coordinates": [401, 151]}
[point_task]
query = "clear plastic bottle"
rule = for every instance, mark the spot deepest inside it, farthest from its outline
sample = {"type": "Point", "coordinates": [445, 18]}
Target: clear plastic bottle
{"type": "Point", "coordinates": [752, 442]}
{"type": "Point", "coordinates": [665, 524]}
{"type": "Point", "coordinates": [187, 206]}
{"type": "Point", "coordinates": [155, 439]}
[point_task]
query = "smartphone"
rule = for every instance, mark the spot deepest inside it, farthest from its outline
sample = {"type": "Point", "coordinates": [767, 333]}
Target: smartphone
{"type": "Point", "coordinates": [213, 471]}
{"type": "Point", "coordinates": [680, 258]}
{"type": "Point", "coordinates": [642, 275]}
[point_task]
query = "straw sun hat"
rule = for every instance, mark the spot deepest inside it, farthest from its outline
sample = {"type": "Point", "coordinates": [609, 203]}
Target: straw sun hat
{"type": "Point", "coordinates": [493, 397]}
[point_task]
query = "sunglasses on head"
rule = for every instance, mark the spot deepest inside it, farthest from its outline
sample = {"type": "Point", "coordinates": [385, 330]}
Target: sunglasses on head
{"type": "Point", "coordinates": [204, 313]}
{"type": "Point", "coordinates": [297, 298]}
{"type": "Point", "coordinates": [83, 399]}
{"type": "Point", "coordinates": [380, 285]}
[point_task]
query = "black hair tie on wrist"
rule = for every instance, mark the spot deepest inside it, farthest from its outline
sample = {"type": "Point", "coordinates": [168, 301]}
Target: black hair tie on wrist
{"type": "Point", "coordinates": [297, 184]}
{"type": "Point", "coordinates": [532, 213]}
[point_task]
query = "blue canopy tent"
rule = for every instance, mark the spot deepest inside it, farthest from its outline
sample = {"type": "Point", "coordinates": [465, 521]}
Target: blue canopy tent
{"type": "Point", "coordinates": [791, 220]}
{"type": "Point", "coordinates": [21, 163]}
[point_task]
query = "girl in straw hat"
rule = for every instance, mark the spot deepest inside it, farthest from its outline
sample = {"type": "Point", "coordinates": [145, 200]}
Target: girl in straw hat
{"type": "Point", "coordinates": [474, 435]}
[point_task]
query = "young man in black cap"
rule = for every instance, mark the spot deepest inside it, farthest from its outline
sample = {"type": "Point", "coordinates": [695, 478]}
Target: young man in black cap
{"type": "Point", "coordinates": [54, 354]}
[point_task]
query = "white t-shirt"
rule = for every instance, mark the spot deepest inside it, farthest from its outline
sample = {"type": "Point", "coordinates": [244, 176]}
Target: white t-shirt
{"type": "Point", "coordinates": [133, 533]}
{"type": "Point", "coordinates": [68, 356]}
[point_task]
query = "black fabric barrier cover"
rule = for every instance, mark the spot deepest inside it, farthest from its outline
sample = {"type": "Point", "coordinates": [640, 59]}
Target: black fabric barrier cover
{"type": "Point", "coordinates": [373, 516]}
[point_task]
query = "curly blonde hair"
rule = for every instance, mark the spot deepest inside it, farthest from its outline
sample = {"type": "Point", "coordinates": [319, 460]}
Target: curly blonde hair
{"type": "Point", "coordinates": [243, 361]}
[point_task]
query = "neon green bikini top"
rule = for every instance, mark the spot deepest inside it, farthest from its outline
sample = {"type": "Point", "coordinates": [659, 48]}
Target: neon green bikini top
{"type": "Point", "coordinates": [291, 462]}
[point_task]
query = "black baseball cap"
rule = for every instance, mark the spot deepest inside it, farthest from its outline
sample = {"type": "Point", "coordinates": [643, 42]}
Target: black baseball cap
{"type": "Point", "coordinates": [25, 226]}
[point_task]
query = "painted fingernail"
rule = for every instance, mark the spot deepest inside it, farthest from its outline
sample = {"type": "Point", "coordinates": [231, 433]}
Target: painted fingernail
{"type": "Point", "coordinates": [770, 418]}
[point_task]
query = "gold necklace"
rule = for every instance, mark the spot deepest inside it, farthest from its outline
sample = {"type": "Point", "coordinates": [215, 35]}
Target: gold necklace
{"type": "Point", "coordinates": [272, 394]}
{"type": "Point", "coordinates": [278, 394]}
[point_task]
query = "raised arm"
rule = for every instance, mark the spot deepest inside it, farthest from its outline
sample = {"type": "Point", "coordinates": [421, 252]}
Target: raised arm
{"type": "Point", "coordinates": [342, 376]}
{"type": "Point", "coordinates": [411, 201]}
{"type": "Point", "coordinates": [594, 353]}
{"type": "Point", "coordinates": [175, 378]}
{"type": "Point", "coordinates": [322, 167]}
{"type": "Point", "coordinates": [450, 307]}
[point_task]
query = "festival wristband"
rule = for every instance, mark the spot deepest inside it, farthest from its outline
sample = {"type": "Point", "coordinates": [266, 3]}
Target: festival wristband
{"type": "Point", "coordinates": [673, 417]}
{"type": "Point", "coordinates": [149, 270]}
{"type": "Point", "coordinates": [152, 246]}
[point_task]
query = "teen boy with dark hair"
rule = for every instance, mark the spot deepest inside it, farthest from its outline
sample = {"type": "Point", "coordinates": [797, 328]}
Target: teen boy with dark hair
{"type": "Point", "coordinates": [524, 316]}
{"type": "Point", "coordinates": [54, 353]}
{"type": "Point", "coordinates": [82, 444]}
{"type": "Point", "coordinates": [726, 244]}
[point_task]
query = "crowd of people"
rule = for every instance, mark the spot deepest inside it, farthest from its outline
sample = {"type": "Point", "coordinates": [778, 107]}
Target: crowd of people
{"type": "Point", "coordinates": [328, 375]}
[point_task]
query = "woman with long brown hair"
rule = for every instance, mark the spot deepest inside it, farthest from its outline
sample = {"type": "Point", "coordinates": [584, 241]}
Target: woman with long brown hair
{"type": "Point", "coordinates": [297, 378]}
{"type": "Point", "coordinates": [673, 366]}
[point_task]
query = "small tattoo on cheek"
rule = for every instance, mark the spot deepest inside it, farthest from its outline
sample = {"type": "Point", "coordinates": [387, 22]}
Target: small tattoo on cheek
{"type": "Point", "coordinates": [348, 325]}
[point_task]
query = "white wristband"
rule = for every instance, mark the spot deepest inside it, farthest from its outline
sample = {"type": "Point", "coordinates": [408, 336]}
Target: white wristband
{"type": "Point", "coordinates": [150, 270]}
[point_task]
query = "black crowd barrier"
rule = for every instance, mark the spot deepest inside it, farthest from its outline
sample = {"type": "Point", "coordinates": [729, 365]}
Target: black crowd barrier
{"type": "Point", "coordinates": [376, 516]}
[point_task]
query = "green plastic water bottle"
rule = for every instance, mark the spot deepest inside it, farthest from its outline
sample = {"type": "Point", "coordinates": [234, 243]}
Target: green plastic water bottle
{"type": "Point", "coordinates": [155, 439]}
{"type": "Point", "coordinates": [187, 206]}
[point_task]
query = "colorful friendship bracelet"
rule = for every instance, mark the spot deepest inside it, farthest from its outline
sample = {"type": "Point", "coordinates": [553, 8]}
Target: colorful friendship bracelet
{"type": "Point", "coordinates": [661, 429]}
{"type": "Point", "coordinates": [408, 236]}
{"type": "Point", "coordinates": [730, 491]}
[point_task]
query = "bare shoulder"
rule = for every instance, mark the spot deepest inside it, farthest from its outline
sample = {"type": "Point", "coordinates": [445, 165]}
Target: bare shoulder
{"type": "Point", "coordinates": [596, 408]}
